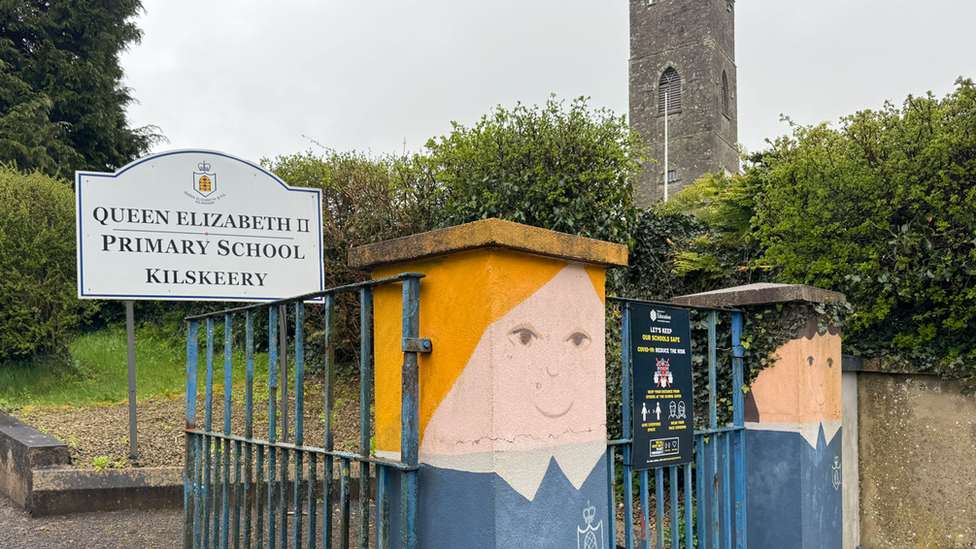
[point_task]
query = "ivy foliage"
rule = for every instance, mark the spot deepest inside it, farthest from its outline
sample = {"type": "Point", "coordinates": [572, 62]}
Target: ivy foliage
{"type": "Point", "coordinates": [883, 209]}
{"type": "Point", "coordinates": [38, 303]}
{"type": "Point", "coordinates": [565, 168]}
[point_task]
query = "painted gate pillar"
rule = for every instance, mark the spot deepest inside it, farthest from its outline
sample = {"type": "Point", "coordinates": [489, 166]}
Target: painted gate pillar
{"type": "Point", "coordinates": [793, 423]}
{"type": "Point", "coordinates": [512, 398]}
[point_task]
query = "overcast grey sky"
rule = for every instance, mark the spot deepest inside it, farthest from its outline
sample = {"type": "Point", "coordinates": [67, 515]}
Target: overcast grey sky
{"type": "Point", "coordinates": [257, 79]}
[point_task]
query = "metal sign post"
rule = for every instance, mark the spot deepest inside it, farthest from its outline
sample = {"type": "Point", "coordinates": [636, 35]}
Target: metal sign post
{"type": "Point", "coordinates": [130, 334]}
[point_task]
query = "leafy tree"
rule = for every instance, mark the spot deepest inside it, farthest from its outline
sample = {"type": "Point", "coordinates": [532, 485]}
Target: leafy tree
{"type": "Point", "coordinates": [62, 102]}
{"type": "Point", "coordinates": [569, 170]}
{"type": "Point", "coordinates": [700, 240]}
{"type": "Point", "coordinates": [38, 303]}
{"type": "Point", "coordinates": [364, 200]}
{"type": "Point", "coordinates": [884, 210]}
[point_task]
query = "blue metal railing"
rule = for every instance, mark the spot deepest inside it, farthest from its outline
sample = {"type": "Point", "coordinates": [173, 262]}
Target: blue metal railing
{"type": "Point", "coordinates": [241, 491]}
{"type": "Point", "coordinates": [711, 501]}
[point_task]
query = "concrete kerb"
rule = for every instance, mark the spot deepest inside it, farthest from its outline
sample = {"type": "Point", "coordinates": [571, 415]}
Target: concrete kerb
{"type": "Point", "coordinates": [36, 473]}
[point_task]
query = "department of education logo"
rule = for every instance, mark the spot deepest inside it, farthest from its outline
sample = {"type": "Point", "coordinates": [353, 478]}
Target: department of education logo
{"type": "Point", "coordinates": [204, 181]}
{"type": "Point", "coordinates": [653, 315]}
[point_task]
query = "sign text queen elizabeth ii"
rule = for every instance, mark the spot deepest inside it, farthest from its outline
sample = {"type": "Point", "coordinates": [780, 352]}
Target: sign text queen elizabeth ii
{"type": "Point", "coordinates": [196, 225]}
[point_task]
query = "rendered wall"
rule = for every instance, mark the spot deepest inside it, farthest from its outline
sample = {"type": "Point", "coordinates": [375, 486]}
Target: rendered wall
{"type": "Point", "coordinates": [917, 446]}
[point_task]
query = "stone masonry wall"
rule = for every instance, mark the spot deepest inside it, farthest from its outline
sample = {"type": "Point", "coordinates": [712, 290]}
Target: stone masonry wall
{"type": "Point", "coordinates": [697, 39]}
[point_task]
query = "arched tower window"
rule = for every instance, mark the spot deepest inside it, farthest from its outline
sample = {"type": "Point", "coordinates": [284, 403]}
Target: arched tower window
{"type": "Point", "coordinates": [669, 89]}
{"type": "Point", "coordinates": [725, 94]}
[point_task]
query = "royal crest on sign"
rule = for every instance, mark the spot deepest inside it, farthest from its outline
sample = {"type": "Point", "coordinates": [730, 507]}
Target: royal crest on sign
{"type": "Point", "coordinates": [204, 181]}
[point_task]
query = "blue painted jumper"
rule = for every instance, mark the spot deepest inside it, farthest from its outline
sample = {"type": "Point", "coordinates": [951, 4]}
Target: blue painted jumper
{"type": "Point", "coordinates": [241, 491]}
{"type": "Point", "coordinates": [714, 494]}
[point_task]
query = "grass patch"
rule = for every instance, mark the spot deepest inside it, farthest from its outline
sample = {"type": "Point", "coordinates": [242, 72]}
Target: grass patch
{"type": "Point", "coordinates": [97, 370]}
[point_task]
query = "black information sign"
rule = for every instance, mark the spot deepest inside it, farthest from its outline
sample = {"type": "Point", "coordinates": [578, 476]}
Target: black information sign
{"type": "Point", "coordinates": [660, 348]}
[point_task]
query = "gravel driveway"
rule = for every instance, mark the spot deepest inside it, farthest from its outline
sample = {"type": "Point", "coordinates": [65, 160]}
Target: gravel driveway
{"type": "Point", "coordinates": [118, 529]}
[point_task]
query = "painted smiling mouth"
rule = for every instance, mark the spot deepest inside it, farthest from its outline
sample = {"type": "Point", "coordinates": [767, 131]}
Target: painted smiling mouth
{"type": "Point", "coordinates": [554, 415]}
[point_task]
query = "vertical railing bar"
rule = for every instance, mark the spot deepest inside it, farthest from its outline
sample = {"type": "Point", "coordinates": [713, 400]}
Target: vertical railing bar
{"type": "Point", "coordinates": [410, 417]}
{"type": "Point", "coordinates": [206, 495]}
{"type": "Point", "coordinates": [272, 423]}
{"type": "Point", "coordinates": [675, 510]}
{"type": "Point", "coordinates": [228, 371]}
{"type": "Point", "coordinates": [344, 504]}
{"type": "Point", "coordinates": [283, 494]}
{"type": "Point", "coordinates": [689, 507]}
{"type": "Point", "coordinates": [259, 489]}
{"type": "Point", "coordinates": [700, 490]}
{"type": "Point", "coordinates": [299, 420]}
{"type": "Point", "coordinates": [283, 357]}
{"type": "Point", "coordinates": [238, 493]}
{"type": "Point", "coordinates": [198, 441]}
{"type": "Point", "coordinates": [738, 420]}
{"type": "Point", "coordinates": [207, 492]}
{"type": "Point", "coordinates": [249, 421]}
{"type": "Point", "coordinates": [299, 374]}
{"type": "Point", "coordinates": [218, 450]}
{"type": "Point", "coordinates": [627, 431]}
{"type": "Point", "coordinates": [365, 400]}
{"type": "Point", "coordinates": [713, 423]}
{"type": "Point", "coordinates": [727, 491]}
{"type": "Point", "coordinates": [208, 422]}
{"type": "Point", "coordinates": [611, 496]}
{"type": "Point", "coordinates": [189, 499]}
{"type": "Point", "coordinates": [329, 441]}
{"type": "Point", "coordinates": [659, 505]}
{"type": "Point", "coordinates": [228, 394]}
{"type": "Point", "coordinates": [208, 427]}
{"type": "Point", "coordinates": [715, 502]}
{"type": "Point", "coordinates": [645, 509]}
{"type": "Point", "coordinates": [712, 380]}
{"type": "Point", "coordinates": [297, 495]}
{"type": "Point", "coordinates": [313, 514]}
{"type": "Point", "coordinates": [382, 507]}
{"type": "Point", "coordinates": [225, 502]}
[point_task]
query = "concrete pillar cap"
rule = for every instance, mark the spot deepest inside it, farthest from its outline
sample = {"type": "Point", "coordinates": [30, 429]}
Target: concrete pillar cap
{"type": "Point", "coordinates": [760, 293]}
{"type": "Point", "coordinates": [489, 233]}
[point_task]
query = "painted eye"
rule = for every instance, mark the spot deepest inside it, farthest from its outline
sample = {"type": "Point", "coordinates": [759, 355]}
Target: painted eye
{"type": "Point", "coordinates": [578, 339]}
{"type": "Point", "coordinates": [523, 335]}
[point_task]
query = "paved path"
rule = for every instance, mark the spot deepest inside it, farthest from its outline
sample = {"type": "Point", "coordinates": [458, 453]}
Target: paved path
{"type": "Point", "coordinates": [157, 529]}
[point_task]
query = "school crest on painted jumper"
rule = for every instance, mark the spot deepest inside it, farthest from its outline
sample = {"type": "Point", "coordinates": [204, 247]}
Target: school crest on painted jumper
{"type": "Point", "coordinates": [590, 537]}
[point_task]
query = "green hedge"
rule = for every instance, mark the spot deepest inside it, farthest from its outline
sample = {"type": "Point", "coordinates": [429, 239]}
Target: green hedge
{"type": "Point", "coordinates": [38, 296]}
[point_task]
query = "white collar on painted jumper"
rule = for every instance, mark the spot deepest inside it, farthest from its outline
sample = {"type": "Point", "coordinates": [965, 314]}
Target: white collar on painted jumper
{"type": "Point", "coordinates": [524, 470]}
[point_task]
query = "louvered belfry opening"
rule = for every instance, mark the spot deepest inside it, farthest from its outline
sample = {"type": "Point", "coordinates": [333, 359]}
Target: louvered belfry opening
{"type": "Point", "coordinates": [725, 94]}
{"type": "Point", "coordinates": [669, 90]}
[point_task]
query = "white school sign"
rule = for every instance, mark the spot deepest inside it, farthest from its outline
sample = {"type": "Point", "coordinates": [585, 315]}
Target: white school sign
{"type": "Point", "coordinates": [196, 225]}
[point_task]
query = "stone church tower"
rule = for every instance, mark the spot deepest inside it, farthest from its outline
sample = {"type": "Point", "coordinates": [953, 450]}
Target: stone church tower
{"type": "Point", "coordinates": [683, 52]}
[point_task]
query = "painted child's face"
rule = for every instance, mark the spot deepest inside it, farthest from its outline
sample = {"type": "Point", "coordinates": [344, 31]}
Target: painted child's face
{"type": "Point", "coordinates": [549, 355]}
{"type": "Point", "coordinates": [536, 379]}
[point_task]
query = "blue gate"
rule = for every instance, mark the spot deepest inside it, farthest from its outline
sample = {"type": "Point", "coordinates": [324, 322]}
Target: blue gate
{"type": "Point", "coordinates": [244, 491]}
{"type": "Point", "coordinates": [710, 512]}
